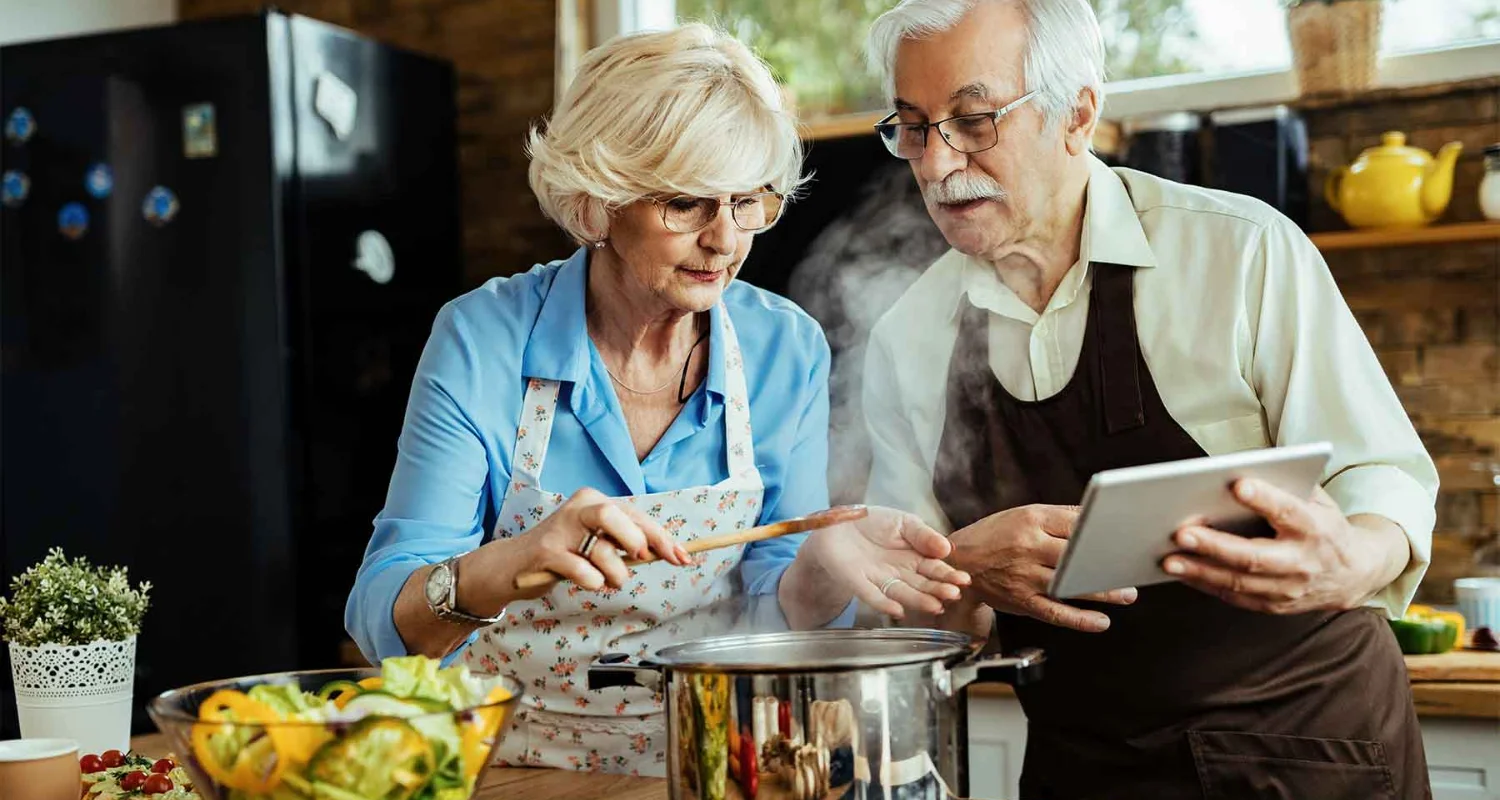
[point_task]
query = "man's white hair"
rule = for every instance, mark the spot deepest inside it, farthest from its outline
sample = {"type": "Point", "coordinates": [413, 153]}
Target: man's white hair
{"type": "Point", "coordinates": [1064, 53]}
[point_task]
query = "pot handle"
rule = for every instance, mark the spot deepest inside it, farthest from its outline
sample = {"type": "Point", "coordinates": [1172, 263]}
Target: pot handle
{"type": "Point", "coordinates": [616, 669]}
{"type": "Point", "coordinates": [1017, 669]}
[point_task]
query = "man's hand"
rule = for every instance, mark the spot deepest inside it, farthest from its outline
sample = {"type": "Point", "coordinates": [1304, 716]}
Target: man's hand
{"type": "Point", "coordinates": [1318, 560]}
{"type": "Point", "coordinates": [1011, 557]}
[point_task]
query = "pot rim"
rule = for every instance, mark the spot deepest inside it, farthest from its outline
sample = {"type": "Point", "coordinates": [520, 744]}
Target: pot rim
{"type": "Point", "coordinates": [945, 647]}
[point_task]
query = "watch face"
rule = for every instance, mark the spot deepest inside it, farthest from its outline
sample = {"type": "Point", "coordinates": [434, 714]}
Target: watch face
{"type": "Point", "coordinates": [437, 585]}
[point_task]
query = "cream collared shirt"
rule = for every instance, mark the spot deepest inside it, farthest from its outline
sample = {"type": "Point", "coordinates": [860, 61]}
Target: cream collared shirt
{"type": "Point", "coordinates": [1247, 337]}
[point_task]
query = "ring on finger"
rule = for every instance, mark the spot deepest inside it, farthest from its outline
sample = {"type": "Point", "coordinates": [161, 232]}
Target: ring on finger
{"type": "Point", "coordinates": [588, 544]}
{"type": "Point", "coordinates": [885, 587]}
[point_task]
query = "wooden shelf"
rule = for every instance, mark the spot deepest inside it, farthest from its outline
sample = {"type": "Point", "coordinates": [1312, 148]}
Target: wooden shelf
{"type": "Point", "coordinates": [840, 127]}
{"type": "Point", "coordinates": [1406, 237]}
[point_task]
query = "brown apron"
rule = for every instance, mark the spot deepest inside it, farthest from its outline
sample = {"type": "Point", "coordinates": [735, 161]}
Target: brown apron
{"type": "Point", "coordinates": [1184, 696]}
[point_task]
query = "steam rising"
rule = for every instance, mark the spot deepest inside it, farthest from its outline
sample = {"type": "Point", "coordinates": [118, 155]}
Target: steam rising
{"type": "Point", "coordinates": [855, 270]}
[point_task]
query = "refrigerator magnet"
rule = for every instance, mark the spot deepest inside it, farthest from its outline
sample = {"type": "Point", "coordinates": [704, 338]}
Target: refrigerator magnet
{"type": "Point", "coordinates": [99, 181]}
{"type": "Point", "coordinates": [73, 221]}
{"type": "Point", "coordinates": [20, 126]}
{"type": "Point", "coordinates": [14, 187]}
{"type": "Point", "coordinates": [200, 134]}
{"type": "Point", "coordinates": [160, 206]}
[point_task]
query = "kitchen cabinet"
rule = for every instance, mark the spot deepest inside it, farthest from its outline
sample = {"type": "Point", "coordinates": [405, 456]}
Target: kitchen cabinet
{"type": "Point", "coordinates": [1463, 752]}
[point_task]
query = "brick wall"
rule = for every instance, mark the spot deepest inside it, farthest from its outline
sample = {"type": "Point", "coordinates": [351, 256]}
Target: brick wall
{"type": "Point", "coordinates": [1432, 312]}
{"type": "Point", "coordinates": [503, 52]}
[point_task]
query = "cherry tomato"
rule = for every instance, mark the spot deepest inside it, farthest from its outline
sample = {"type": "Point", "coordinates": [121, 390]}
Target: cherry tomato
{"type": "Point", "coordinates": [156, 784]}
{"type": "Point", "coordinates": [163, 766]}
{"type": "Point", "coordinates": [112, 758]}
{"type": "Point", "coordinates": [133, 780]}
{"type": "Point", "coordinates": [90, 763]}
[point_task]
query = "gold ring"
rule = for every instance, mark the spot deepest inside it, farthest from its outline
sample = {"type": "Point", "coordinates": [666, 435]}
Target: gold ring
{"type": "Point", "coordinates": [588, 544]}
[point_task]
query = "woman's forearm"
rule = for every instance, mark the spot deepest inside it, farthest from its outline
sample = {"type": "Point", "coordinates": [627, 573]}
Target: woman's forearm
{"type": "Point", "coordinates": [809, 595]}
{"type": "Point", "coordinates": [422, 630]}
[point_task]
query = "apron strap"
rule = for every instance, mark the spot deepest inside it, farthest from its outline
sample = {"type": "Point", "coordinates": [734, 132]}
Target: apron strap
{"type": "Point", "coordinates": [738, 439]}
{"type": "Point", "coordinates": [1113, 303]}
{"type": "Point", "coordinates": [534, 431]}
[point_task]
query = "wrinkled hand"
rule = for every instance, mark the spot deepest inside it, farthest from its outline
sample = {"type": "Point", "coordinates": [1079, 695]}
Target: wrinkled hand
{"type": "Point", "coordinates": [623, 530]}
{"type": "Point", "coordinates": [867, 554]}
{"type": "Point", "coordinates": [1318, 560]}
{"type": "Point", "coordinates": [1012, 556]}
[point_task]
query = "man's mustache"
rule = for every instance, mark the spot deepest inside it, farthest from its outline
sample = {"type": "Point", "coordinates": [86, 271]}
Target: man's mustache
{"type": "Point", "coordinates": [963, 187]}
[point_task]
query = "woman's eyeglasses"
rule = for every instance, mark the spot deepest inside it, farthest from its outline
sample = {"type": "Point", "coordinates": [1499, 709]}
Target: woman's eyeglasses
{"type": "Point", "coordinates": [966, 133]}
{"type": "Point", "coordinates": [751, 212]}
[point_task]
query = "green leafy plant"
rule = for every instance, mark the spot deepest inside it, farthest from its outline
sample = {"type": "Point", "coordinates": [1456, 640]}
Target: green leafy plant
{"type": "Point", "coordinates": [72, 603]}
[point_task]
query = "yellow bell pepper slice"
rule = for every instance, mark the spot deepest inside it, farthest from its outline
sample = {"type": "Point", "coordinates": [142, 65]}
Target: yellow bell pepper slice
{"type": "Point", "coordinates": [242, 774]}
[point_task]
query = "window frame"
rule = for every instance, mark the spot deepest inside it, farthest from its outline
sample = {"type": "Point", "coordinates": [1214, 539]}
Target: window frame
{"type": "Point", "coordinates": [1145, 96]}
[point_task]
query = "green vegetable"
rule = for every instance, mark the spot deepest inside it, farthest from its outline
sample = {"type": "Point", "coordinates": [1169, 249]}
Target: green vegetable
{"type": "Point", "coordinates": [421, 677]}
{"type": "Point", "coordinates": [1422, 636]}
{"type": "Point", "coordinates": [289, 700]}
{"type": "Point", "coordinates": [381, 758]}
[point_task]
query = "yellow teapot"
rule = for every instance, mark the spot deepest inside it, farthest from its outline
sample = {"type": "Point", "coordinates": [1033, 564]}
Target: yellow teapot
{"type": "Point", "coordinates": [1393, 186]}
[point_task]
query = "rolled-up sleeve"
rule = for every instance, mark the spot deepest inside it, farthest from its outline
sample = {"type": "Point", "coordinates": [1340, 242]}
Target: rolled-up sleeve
{"type": "Point", "coordinates": [1318, 380]}
{"type": "Point", "coordinates": [805, 488]}
{"type": "Point", "coordinates": [433, 508]}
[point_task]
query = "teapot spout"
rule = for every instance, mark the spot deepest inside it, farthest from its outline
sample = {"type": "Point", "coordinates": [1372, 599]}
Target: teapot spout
{"type": "Point", "coordinates": [1437, 183]}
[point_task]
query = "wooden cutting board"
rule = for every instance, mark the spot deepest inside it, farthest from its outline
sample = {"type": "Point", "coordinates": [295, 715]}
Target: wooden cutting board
{"type": "Point", "coordinates": [1456, 665]}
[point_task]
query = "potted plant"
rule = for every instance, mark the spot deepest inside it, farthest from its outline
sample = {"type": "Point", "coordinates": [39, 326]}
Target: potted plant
{"type": "Point", "coordinates": [1335, 44]}
{"type": "Point", "coordinates": [71, 628]}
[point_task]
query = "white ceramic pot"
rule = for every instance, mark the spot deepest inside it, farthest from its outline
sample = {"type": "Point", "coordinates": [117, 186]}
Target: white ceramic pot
{"type": "Point", "coordinates": [79, 692]}
{"type": "Point", "coordinates": [1479, 602]}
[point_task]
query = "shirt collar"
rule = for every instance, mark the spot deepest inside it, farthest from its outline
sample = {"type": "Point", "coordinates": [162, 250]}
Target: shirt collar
{"type": "Point", "coordinates": [559, 348]}
{"type": "Point", "coordinates": [1112, 226]}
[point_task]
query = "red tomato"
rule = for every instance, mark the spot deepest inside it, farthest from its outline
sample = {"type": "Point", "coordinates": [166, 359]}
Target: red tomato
{"type": "Point", "coordinates": [112, 758]}
{"type": "Point", "coordinates": [90, 763]}
{"type": "Point", "coordinates": [164, 765]}
{"type": "Point", "coordinates": [156, 784]}
{"type": "Point", "coordinates": [133, 780]}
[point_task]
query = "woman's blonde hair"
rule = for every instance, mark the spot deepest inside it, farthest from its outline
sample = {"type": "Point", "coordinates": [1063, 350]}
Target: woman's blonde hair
{"type": "Point", "coordinates": [685, 111]}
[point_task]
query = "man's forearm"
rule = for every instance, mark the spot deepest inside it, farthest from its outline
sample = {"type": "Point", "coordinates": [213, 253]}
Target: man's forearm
{"type": "Point", "coordinates": [1393, 548]}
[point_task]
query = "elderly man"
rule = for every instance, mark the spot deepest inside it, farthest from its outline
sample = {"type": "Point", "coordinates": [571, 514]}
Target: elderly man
{"type": "Point", "coordinates": [1089, 318]}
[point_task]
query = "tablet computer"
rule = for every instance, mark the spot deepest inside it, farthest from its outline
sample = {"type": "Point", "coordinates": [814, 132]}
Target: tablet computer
{"type": "Point", "coordinates": [1128, 515]}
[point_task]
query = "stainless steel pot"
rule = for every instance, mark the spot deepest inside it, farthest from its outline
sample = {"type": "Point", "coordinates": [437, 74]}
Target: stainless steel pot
{"type": "Point", "coordinates": [813, 715]}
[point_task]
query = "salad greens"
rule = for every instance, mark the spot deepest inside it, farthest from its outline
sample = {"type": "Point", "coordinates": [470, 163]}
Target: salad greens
{"type": "Point", "coordinates": [416, 732]}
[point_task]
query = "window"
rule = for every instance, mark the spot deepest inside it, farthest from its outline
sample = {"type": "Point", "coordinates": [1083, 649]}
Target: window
{"type": "Point", "coordinates": [815, 47]}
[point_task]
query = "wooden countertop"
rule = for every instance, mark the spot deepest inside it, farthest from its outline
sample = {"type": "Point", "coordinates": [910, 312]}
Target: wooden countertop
{"type": "Point", "coordinates": [1462, 684]}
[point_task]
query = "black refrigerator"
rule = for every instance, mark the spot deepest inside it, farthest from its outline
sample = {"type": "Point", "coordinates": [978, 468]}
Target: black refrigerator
{"type": "Point", "coordinates": [222, 245]}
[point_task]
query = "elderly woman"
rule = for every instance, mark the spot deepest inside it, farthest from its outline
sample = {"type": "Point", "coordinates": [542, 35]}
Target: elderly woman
{"type": "Point", "coordinates": [621, 401]}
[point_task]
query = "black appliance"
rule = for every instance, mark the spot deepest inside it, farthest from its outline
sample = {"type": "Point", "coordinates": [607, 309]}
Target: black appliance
{"type": "Point", "coordinates": [1263, 153]}
{"type": "Point", "coordinates": [222, 248]}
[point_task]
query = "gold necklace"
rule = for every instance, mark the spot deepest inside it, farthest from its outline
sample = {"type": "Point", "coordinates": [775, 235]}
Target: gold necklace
{"type": "Point", "coordinates": [680, 375]}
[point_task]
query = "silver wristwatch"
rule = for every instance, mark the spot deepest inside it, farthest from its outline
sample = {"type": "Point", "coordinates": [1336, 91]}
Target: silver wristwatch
{"type": "Point", "coordinates": [442, 595]}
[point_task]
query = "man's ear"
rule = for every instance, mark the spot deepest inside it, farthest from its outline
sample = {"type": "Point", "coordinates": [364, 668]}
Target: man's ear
{"type": "Point", "coordinates": [1078, 130]}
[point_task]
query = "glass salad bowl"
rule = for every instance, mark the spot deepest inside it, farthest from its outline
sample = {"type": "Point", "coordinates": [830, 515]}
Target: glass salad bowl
{"type": "Point", "coordinates": [408, 731]}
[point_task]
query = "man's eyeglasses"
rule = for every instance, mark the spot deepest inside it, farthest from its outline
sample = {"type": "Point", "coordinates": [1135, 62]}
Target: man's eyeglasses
{"type": "Point", "coordinates": [751, 212]}
{"type": "Point", "coordinates": [966, 133]}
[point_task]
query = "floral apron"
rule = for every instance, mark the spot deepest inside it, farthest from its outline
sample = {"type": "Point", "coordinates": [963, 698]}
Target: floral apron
{"type": "Point", "coordinates": [548, 643]}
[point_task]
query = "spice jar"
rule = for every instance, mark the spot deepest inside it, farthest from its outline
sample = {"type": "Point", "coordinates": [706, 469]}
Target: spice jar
{"type": "Point", "coordinates": [1489, 188]}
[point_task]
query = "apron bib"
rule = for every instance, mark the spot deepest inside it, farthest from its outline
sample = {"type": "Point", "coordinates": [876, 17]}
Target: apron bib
{"type": "Point", "coordinates": [548, 643]}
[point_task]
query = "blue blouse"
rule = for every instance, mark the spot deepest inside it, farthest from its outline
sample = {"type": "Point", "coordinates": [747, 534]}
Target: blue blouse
{"type": "Point", "coordinates": [453, 461]}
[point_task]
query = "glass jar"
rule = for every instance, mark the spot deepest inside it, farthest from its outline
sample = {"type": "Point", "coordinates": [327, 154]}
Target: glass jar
{"type": "Point", "coordinates": [1489, 188]}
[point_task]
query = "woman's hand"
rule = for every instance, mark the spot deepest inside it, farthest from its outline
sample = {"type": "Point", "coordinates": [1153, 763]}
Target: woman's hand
{"type": "Point", "coordinates": [487, 576]}
{"type": "Point", "coordinates": [890, 560]}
